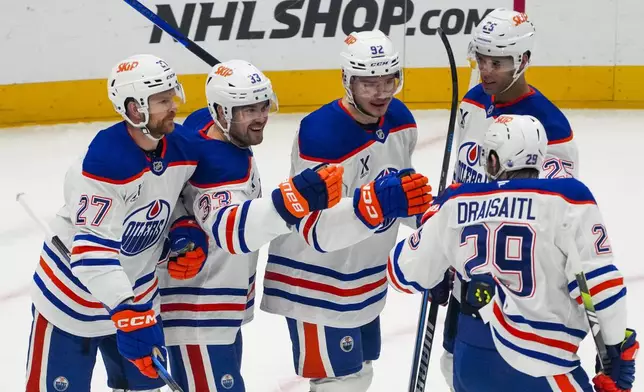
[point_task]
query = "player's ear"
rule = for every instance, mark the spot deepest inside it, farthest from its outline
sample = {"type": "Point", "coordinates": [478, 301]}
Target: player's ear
{"type": "Point", "coordinates": [525, 59]}
{"type": "Point", "coordinates": [132, 110]}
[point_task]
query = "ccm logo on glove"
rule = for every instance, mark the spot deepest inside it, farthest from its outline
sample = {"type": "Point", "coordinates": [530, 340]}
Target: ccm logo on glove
{"type": "Point", "coordinates": [129, 320]}
{"type": "Point", "coordinates": [372, 211]}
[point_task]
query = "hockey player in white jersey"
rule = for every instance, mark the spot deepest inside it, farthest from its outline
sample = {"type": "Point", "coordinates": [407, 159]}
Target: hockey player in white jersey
{"type": "Point", "coordinates": [202, 314]}
{"type": "Point", "coordinates": [523, 235]}
{"type": "Point", "coordinates": [328, 278]}
{"type": "Point", "coordinates": [118, 201]}
{"type": "Point", "coordinates": [502, 45]}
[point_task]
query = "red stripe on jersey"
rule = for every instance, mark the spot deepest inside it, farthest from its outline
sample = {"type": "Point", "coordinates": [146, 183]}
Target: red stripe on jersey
{"type": "Point", "coordinates": [203, 307]}
{"type": "Point", "coordinates": [539, 191]}
{"type": "Point", "coordinates": [603, 286]}
{"type": "Point", "coordinates": [326, 288]}
{"type": "Point", "coordinates": [564, 383]}
{"type": "Point", "coordinates": [198, 369]}
{"type": "Point", "coordinates": [560, 141]}
{"type": "Point", "coordinates": [309, 224]}
{"type": "Point", "coordinates": [117, 182]}
{"type": "Point", "coordinates": [33, 381]}
{"type": "Point", "coordinates": [66, 290]}
{"type": "Point", "coordinates": [472, 102]}
{"type": "Point", "coordinates": [531, 336]}
{"type": "Point", "coordinates": [182, 163]}
{"type": "Point", "coordinates": [77, 250]}
{"type": "Point", "coordinates": [146, 292]}
{"type": "Point", "coordinates": [313, 366]}
{"type": "Point", "coordinates": [232, 182]}
{"type": "Point", "coordinates": [230, 227]}
{"type": "Point", "coordinates": [394, 280]}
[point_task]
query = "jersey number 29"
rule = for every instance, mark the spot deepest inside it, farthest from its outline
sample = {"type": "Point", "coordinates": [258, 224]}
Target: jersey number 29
{"type": "Point", "coordinates": [510, 249]}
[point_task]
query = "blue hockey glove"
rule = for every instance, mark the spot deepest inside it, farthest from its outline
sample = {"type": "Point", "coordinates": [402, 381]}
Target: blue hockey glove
{"type": "Point", "coordinates": [308, 191]}
{"type": "Point", "coordinates": [137, 334]}
{"type": "Point", "coordinates": [396, 195]}
{"type": "Point", "coordinates": [619, 375]}
{"type": "Point", "coordinates": [188, 248]}
{"type": "Point", "coordinates": [440, 292]}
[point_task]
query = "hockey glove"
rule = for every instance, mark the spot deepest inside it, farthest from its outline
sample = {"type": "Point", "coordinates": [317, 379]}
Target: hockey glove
{"type": "Point", "coordinates": [440, 292]}
{"type": "Point", "coordinates": [396, 195]}
{"type": "Point", "coordinates": [620, 373]}
{"type": "Point", "coordinates": [137, 334]}
{"type": "Point", "coordinates": [308, 191]}
{"type": "Point", "coordinates": [188, 248]}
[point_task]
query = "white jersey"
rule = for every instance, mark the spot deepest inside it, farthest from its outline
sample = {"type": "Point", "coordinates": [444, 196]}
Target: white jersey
{"type": "Point", "coordinates": [521, 232]}
{"type": "Point", "coordinates": [332, 270]}
{"type": "Point", "coordinates": [117, 208]}
{"type": "Point", "coordinates": [477, 112]}
{"type": "Point", "coordinates": [224, 195]}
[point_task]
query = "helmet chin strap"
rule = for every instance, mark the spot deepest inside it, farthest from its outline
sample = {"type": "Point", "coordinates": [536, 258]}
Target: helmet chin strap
{"type": "Point", "coordinates": [359, 108]}
{"type": "Point", "coordinates": [226, 132]}
{"type": "Point", "coordinates": [517, 75]}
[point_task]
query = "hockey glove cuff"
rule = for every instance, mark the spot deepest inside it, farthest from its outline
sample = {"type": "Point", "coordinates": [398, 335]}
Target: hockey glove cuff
{"type": "Point", "coordinates": [620, 373]}
{"type": "Point", "coordinates": [188, 248]}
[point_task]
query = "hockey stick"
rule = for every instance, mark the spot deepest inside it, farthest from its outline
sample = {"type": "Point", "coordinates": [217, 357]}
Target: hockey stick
{"type": "Point", "coordinates": [587, 300]}
{"type": "Point", "coordinates": [60, 246]}
{"type": "Point", "coordinates": [165, 26]}
{"type": "Point", "coordinates": [424, 342]}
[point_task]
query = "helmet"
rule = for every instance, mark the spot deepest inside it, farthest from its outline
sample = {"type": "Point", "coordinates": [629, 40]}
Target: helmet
{"type": "Point", "coordinates": [138, 77]}
{"type": "Point", "coordinates": [520, 142]}
{"type": "Point", "coordinates": [236, 83]}
{"type": "Point", "coordinates": [504, 33]}
{"type": "Point", "coordinates": [369, 53]}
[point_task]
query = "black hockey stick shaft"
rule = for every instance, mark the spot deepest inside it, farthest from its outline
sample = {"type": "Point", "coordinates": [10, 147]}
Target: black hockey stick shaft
{"type": "Point", "coordinates": [424, 341]}
{"type": "Point", "coordinates": [176, 34]}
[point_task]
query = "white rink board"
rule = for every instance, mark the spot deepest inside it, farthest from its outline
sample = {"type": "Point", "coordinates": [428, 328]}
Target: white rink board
{"type": "Point", "coordinates": [59, 40]}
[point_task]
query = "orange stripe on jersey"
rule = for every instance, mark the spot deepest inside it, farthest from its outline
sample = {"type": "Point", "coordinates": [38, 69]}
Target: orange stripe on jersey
{"type": "Point", "coordinates": [66, 290]}
{"type": "Point", "coordinates": [531, 336]}
{"type": "Point", "coordinates": [309, 224]}
{"type": "Point", "coordinates": [393, 279]}
{"type": "Point", "coordinates": [313, 366]}
{"type": "Point", "coordinates": [84, 249]}
{"type": "Point", "coordinates": [230, 227]}
{"type": "Point", "coordinates": [308, 284]}
{"type": "Point", "coordinates": [603, 286]}
{"type": "Point", "coordinates": [33, 382]}
{"type": "Point", "coordinates": [564, 383]}
{"type": "Point", "coordinates": [560, 141]}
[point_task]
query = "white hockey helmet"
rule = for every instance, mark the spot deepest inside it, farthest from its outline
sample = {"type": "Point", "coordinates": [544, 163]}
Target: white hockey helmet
{"type": "Point", "coordinates": [138, 77]}
{"type": "Point", "coordinates": [504, 33]}
{"type": "Point", "coordinates": [520, 142]}
{"type": "Point", "coordinates": [369, 53]}
{"type": "Point", "coordinates": [236, 83]}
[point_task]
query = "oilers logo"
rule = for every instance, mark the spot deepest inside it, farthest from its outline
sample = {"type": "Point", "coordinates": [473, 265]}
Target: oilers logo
{"type": "Point", "coordinates": [346, 344]}
{"type": "Point", "coordinates": [61, 384]}
{"type": "Point", "coordinates": [227, 381]}
{"type": "Point", "coordinates": [386, 225]}
{"type": "Point", "coordinates": [144, 227]}
{"type": "Point", "coordinates": [469, 169]}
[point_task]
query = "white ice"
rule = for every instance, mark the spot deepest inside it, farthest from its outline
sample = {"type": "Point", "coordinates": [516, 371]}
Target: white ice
{"type": "Point", "coordinates": [34, 160]}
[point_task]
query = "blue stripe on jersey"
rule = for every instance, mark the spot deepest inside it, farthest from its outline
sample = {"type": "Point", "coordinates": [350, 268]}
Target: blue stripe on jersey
{"type": "Point", "coordinates": [62, 267]}
{"type": "Point", "coordinates": [201, 323]}
{"type": "Point", "coordinates": [250, 303]}
{"type": "Point", "coordinates": [98, 240]}
{"type": "Point", "coordinates": [242, 226]}
{"type": "Point", "coordinates": [279, 260]}
{"type": "Point", "coordinates": [399, 273]}
{"type": "Point", "coordinates": [203, 291]}
{"type": "Point", "coordinates": [570, 189]}
{"type": "Point", "coordinates": [215, 226]}
{"type": "Point", "coordinates": [593, 274]}
{"type": "Point", "coordinates": [536, 354]}
{"type": "Point", "coordinates": [95, 263]}
{"type": "Point", "coordinates": [251, 279]}
{"type": "Point", "coordinates": [144, 279]}
{"type": "Point", "coordinates": [544, 325]}
{"type": "Point", "coordinates": [64, 308]}
{"type": "Point", "coordinates": [321, 303]}
{"type": "Point", "coordinates": [610, 300]}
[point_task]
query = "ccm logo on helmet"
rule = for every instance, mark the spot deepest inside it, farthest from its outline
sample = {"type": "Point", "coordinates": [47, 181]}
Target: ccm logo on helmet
{"type": "Point", "coordinates": [124, 67]}
{"type": "Point", "coordinates": [224, 71]}
{"type": "Point", "coordinates": [380, 63]}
